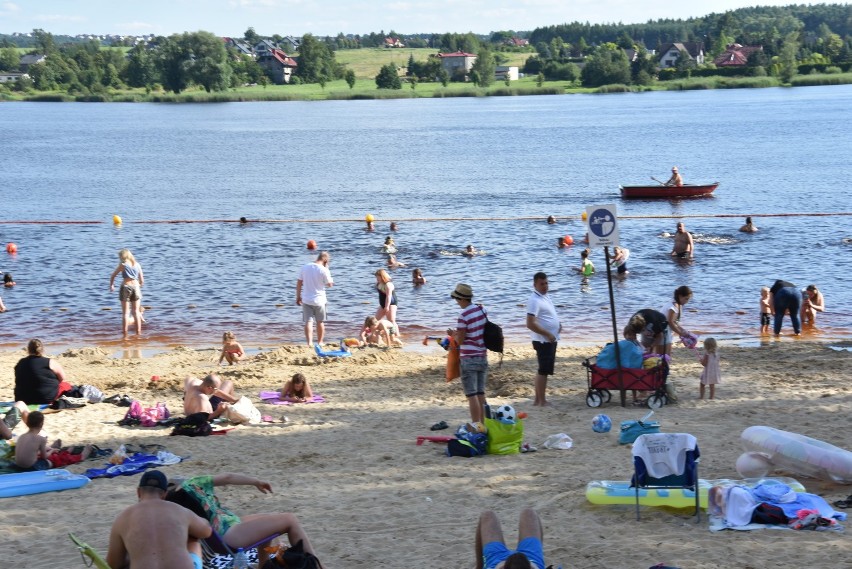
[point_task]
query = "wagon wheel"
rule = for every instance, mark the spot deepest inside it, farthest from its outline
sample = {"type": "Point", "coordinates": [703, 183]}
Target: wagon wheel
{"type": "Point", "coordinates": [593, 399]}
{"type": "Point", "coordinates": [606, 395]}
{"type": "Point", "coordinates": [655, 401]}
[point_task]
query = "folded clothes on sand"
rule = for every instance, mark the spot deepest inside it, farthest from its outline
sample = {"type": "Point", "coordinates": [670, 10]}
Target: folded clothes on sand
{"type": "Point", "coordinates": [274, 398]}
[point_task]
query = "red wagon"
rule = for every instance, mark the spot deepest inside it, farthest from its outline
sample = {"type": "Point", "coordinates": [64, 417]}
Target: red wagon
{"type": "Point", "coordinates": [601, 381]}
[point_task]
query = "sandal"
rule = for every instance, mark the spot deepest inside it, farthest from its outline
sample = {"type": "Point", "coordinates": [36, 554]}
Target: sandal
{"type": "Point", "coordinates": [439, 426]}
{"type": "Point", "coordinates": [843, 504]}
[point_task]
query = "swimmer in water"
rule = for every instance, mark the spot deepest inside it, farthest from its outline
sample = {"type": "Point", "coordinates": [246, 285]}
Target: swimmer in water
{"type": "Point", "coordinates": [470, 251]}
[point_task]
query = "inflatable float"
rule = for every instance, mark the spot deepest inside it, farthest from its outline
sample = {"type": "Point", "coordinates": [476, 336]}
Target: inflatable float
{"type": "Point", "coordinates": [619, 492]}
{"type": "Point", "coordinates": [343, 352]}
{"type": "Point", "coordinates": [795, 453]}
{"type": "Point", "coordinates": [26, 483]}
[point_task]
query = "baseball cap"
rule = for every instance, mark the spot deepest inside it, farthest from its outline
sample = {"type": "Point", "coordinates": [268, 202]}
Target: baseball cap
{"type": "Point", "coordinates": [154, 479]}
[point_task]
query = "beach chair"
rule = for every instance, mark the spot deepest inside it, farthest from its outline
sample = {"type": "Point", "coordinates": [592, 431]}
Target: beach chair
{"type": "Point", "coordinates": [86, 551]}
{"type": "Point", "coordinates": [666, 461]}
{"type": "Point", "coordinates": [215, 545]}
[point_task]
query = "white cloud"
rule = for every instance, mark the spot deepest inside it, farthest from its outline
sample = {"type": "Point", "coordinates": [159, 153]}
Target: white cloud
{"type": "Point", "coordinates": [254, 3]}
{"type": "Point", "coordinates": [9, 7]}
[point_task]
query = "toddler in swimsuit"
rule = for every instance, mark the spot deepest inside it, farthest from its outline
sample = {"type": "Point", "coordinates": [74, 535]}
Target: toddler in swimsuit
{"type": "Point", "coordinates": [232, 351]}
{"type": "Point", "coordinates": [765, 310]}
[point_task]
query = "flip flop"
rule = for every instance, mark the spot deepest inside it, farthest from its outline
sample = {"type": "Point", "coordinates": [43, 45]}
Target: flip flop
{"type": "Point", "coordinates": [439, 426]}
{"type": "Point", "coordinates": [843, 504]}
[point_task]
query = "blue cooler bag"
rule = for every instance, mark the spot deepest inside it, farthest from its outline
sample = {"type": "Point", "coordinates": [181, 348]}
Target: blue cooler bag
{"type": "Point", "coordinates": [630, 430]}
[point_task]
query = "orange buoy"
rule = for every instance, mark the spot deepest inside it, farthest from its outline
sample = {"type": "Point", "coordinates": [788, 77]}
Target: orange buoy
{"type": "Point", "coordinates": [568, 240]}
{"type": "Point", "coordinates": [312, 245]}
{"type": "Point", "coordinates": [11, 248]}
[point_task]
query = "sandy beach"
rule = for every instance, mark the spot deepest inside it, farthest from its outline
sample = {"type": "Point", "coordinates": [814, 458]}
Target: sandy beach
{"type": "Point", "coordinates": [369, 497]}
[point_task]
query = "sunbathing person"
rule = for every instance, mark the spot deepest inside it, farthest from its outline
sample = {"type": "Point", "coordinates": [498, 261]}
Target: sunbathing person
{"type": "Point", "coordinates": [209, 395]}
{"type": "Point", "coordinates": [297, 389]}
{"type": "Point", "coordinates": [155, 534]}
{"type": "Point", "coordinates": [198, 495]}
{"type": "Point", "coordinates": [491, 550]}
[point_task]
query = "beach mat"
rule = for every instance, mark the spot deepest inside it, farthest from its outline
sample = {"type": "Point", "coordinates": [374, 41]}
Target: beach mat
{"type": "Point", "coordinates": [274, 398]}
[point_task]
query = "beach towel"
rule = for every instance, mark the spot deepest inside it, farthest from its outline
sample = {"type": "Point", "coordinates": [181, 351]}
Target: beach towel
{"type": "Point", "coordinates": [274, 398]}
{"type": "Point", "coordinates": [134, 464]}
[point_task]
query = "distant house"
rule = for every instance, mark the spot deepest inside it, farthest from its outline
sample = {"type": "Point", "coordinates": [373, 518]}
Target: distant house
{"type": "Point", "coordinates": [504, 72]}
{"type": "Point", "coordinates": [290, 44]}
{"type": "Point", "coordinates": [517, 42]}
{"type": "Point", "coordinates": [457, 63]}
{"type": "Point", "coordinates": [393, 42]}
{"type": "Point", "coordinates": [264, 47]}
{"type": "Point", "coordinates": [31, 59]}
{"type": "Point", "coordinates": [670, 52]}
{"type": "Point", "coordinates": [12, 76]}
{"type": "Point", "coordinates": [736, 55]}
{"type": "Point", "coordinates": [278, 64]}
{"type": "Point", "coordinates": [241, 46]}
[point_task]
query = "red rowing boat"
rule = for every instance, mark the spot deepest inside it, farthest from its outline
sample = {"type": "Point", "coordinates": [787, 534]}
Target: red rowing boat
{"type": "Point", "coordinates": [659, 191]}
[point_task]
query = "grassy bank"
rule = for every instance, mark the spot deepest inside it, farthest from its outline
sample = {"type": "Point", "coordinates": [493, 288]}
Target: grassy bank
{"type": "Point", "coordinates": [365, 89]}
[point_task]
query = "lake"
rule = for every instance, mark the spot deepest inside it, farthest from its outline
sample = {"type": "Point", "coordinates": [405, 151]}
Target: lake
{"type": "Point", "coordinates": [181, 175]}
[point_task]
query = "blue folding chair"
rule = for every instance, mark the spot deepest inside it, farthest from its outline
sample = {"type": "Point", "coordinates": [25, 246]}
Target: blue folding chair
{"type": "Point", "coordinates": [666, 461]}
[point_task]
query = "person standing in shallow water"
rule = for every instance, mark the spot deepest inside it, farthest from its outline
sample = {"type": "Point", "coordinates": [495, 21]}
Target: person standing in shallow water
{"type": "Point", "coordinates": [130, 292]}
{"type": "Point", "coordinates": [785, 296]}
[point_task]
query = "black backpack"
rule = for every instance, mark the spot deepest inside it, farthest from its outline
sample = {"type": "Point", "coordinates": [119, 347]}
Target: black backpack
{"type": "Point", "coordinates": [492, 336]}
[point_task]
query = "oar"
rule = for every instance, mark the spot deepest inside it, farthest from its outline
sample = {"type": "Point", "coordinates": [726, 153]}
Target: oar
{"type": "Point", "coordinates": [658, 181]}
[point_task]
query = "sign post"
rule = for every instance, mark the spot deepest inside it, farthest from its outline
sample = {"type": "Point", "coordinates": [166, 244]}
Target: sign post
{"type": "Point", "coordinates": [602, 222]}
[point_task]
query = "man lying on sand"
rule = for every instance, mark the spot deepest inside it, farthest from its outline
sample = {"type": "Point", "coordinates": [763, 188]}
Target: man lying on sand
{"type": "Point", "coordinates": [209, 395]}
{"type": "Point", "coordinates": [491, 550]}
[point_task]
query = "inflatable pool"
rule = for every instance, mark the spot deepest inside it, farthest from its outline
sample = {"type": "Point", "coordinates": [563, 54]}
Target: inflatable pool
{"type": "Point", "coordinates": [26, 483]}
{"type": "Point", "coordinates": [619, 492]}
{"type": "Point", "coordinates": [800, 454]}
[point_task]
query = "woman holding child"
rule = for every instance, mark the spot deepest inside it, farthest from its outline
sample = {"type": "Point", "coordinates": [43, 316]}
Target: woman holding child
{"type": "Point", "coordinates": [387, 298]}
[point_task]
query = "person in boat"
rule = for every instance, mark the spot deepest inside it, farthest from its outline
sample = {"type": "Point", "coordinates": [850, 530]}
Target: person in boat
{"type": "Point", "coordinates": [676, 179]}
{"type": "Point", "coordinates": [749, 226]}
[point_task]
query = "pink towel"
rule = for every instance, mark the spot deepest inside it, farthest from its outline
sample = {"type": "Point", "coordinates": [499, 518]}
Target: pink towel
{"type": "Point", "coordinates": [274, 398]}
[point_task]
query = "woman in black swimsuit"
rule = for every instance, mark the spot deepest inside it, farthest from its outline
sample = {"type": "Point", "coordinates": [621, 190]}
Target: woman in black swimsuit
{"type": "Point", "coordinates": [387, 298]}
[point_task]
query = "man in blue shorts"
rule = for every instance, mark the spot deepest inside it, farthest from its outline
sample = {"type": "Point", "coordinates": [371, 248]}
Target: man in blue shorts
{"type": "Point", "coordinates": [491, 550]}
{"type": "Point", "coordinates": [155, 534]}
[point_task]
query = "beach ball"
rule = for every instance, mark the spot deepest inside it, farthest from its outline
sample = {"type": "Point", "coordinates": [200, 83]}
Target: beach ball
{"type": "Point", "coordinates": [601, 423]}
{"type": "Point", "coordinates": [753, 465]}
{"type": "Point", "coordinates": [312, 245]}
{"type": "Point", "coordinates": [369, 218]}
{"type": "Point", "coordinates": [568, 240]}
{"type": "Point", "coordinates": [505, 414]}
{"type": "Point", "coordinates": [116, 220]}
{"type": "Point", "coordinates": [11, 248]}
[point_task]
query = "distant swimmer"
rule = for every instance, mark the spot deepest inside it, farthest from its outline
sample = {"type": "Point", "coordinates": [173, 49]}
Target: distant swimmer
{"type": "Point", "coordinates": [676, 179]}
{"type": "Point", "coordinates": [417, 277]}
{"type": "Point", "coordinates": [393, 263]}
{"type": "Point", "coordinates": [393, 226]}
{"type": "Point", "coordinates": [551, 220]}
{"type": "Point", "coordinates": [619, 260]}
{"type": "Point", "coordinates": [389, 247]}
{"type": "Point", "coordinates": [470, 251]}
{"type": "Point", "coordinates": [749, 227]}
{"type": "Point", "coordinates": [684, 246]}
{"type": "Point", "coordinates": [587, 268]}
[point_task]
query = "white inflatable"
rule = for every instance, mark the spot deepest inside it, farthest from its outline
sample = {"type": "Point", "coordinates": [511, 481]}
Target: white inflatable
{"type": "Point", "coordinates": [797, 453]}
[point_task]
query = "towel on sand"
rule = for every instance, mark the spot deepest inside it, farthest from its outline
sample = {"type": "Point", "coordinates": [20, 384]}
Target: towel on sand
{"type": "Point", "coordinates": [274, 398]}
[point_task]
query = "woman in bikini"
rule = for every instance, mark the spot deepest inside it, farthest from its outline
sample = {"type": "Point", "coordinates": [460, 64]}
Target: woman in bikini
{"type": "Point", "coordinates": [297, 389]}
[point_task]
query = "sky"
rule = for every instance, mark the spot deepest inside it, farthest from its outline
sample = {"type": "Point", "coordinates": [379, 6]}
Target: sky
{"type": "Point", "coordinates": [330, 17]}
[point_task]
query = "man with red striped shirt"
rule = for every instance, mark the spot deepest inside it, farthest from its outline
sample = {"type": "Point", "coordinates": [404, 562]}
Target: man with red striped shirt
{"type": "Point", "coordinates": [474, 359]}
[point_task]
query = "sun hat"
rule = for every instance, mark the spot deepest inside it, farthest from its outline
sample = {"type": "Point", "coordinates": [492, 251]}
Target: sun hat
{"type": "Point", "coordinates": [462, 292]}
{"type": "Point", "coordinates": [154, 479]}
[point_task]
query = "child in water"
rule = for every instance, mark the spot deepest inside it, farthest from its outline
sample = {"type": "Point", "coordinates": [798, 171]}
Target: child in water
{"type": "Point", "coordinates": [297, 389]}
{"type": "Point", "coordinates": [8, 281]}
{"type": "Point", "coordinates": [417, 277]}
{"type": "Point", "coordinates": [765, 310]}
{"type": "Point", "coordinates": [587, 268]}
{"type": "Point", "coordinates": [393, 263]}
{"type": "Point", "coordinates": [376, 331]}
{"type": "Point", "coordinates": [389, 246]}
{"type": "Point", "coordinates": [711, 375]}
{"type": "Point", "coordinates": [232, 351]}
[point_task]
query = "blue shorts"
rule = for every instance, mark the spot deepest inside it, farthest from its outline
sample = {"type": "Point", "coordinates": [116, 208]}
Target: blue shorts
{"type": "Point", "coordinates": [196, 561]}
{"type": "Point", "coordinates": [496, 551]}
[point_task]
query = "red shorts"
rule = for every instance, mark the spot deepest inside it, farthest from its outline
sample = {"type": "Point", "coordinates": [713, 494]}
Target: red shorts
{"type": "Point", "coordinates": [64, 458]}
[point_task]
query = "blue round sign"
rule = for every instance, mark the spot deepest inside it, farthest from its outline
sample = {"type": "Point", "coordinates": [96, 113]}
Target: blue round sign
{"type": "Point", "coordinates": [602, 222]}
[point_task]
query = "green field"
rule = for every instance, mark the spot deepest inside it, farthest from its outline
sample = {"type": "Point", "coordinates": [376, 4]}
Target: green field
{"type": "Point", "coordinates": [366, 62]}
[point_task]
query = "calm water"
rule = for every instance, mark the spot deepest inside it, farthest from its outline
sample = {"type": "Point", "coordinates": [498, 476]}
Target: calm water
{"type": "Point", "coordinates": [774, 151]}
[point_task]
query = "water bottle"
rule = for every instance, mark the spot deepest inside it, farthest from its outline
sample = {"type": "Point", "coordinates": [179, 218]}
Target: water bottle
{"type": "Point", "coordinates": [240, 559]}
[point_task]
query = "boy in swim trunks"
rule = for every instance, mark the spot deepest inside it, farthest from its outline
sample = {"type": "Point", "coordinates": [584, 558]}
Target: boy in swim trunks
{"type": "Point", "coordinates": [491, 550]}
{"type": "Point", "coordinates": [765, 310]}
{"type": "Point", "coordinates": [154, 533]}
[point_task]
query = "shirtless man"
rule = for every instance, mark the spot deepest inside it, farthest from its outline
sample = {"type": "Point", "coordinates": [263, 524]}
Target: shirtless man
{"type": "Point", "coordinates": [209, 395]}
{"type": "Point", "coordinates": [155, 534]}
{"type": "Point", "coordinates": [676, 179]}
{"type": "Point", "coordinates": [683, 244]}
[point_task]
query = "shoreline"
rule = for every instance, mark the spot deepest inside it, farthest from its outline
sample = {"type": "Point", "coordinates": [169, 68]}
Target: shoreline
{"type": "Point", "coordinates": [363, 490]}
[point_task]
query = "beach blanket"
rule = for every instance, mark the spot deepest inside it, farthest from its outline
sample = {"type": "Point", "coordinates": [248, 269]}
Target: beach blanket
{"type": "Point", "coordinates": [134, 464]}
{"type": "Point", "coordinates": [274, 398]}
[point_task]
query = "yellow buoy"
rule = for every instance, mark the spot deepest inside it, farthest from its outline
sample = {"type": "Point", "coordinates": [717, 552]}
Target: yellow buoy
{"type": "Point", "coordinates": [585, 216]}
{"type": "Point", "coordinates": [369, 218]}
{"type": "Point", "coordinates": [116, 220]}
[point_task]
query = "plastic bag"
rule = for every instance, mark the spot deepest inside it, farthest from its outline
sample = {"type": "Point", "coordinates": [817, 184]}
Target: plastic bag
{"type": "Point", "coordinates": [243, 412]}
{"type": "Point", "coordinates": [558, 441]}
{"type": "Point", "coordinates": [119, 456]}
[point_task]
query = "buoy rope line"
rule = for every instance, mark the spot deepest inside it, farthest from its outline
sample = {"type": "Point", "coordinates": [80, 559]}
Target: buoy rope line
{"type": "Point", "coordinates": [415, 219]}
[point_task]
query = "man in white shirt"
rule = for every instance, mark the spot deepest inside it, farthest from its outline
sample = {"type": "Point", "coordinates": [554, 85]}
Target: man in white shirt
{"type": "Point", "coordinates": [543, 323]}
{"type": "Point", "coordinates": [314, 278]}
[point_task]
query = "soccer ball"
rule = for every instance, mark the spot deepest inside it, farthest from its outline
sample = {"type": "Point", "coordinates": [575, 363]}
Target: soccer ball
{"type": "Point", "coordinates": [601, 424]}
{"type": "Point", "coordinates": [505, 414]}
